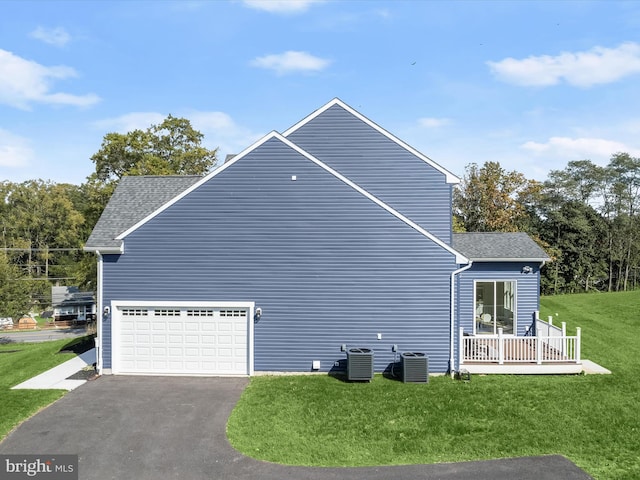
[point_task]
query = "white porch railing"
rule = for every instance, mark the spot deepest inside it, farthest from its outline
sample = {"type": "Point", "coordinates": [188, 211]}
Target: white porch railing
{"type": "Point", "coordinates": [502, 349]}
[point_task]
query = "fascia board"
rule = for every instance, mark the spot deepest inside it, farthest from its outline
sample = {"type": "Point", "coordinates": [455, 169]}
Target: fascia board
{"type": "Point", "coordinates": [104, 250]}
{"type": "Point", "coordinates": [204, 179]}
{"type": "Point", "coordinates": [497, 260]}
{"type": "Point", "coordinates": [449, 177]}
{"type": "Point", "coordinates": [460, 259]}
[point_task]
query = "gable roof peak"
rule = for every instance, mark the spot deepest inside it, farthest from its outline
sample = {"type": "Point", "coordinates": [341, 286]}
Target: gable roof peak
{"type": "Point", "coordinates": [449, 177]}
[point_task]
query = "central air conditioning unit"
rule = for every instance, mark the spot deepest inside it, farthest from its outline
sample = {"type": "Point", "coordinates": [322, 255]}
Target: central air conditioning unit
{"type": "Point", "coordinates": [415, 367]}
{"type": "Point", "coordinates": [360, 364]}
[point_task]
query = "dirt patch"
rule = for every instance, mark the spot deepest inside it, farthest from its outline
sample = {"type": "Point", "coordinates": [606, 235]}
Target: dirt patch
{"type": "Point", "coordinates": [87, 373]}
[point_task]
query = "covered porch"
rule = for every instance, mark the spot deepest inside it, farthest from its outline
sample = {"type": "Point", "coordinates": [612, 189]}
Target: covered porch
{"type": "Point", "coordinates": [548, 350]}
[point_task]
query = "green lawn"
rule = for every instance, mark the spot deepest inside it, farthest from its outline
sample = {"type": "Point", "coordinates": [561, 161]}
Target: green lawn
{"type": "Point", "coordinates": [19, 362]}
{"type": "Point", "coordinates": [594, 420]}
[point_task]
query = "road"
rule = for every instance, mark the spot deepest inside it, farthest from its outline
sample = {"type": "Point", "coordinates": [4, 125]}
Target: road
{"type": "Point", "coordinates": [40, 335]}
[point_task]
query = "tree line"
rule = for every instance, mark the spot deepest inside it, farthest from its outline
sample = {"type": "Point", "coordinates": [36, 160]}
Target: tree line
{"type": "Point", "coordinates": [44, 225]}
{"type": "Point", "coordinates": [586, 217]}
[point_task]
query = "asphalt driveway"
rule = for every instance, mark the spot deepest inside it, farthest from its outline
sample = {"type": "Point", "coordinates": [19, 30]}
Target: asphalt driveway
{"type": "Point", "coordinates": [174, 427]}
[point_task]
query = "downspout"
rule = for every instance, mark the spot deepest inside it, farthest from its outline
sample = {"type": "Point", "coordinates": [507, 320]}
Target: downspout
{"type": "Point", "coordinates": [453, 315]}
{"type": "Point", "coordinates": [99, 316]}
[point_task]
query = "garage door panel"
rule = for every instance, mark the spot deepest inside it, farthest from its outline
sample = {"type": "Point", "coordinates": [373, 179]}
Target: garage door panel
{"type": "Point", "coordinates": [225, 327]}
{"type": "Point", "coordinates": [127, 338]}
{"type": "Point", "coordinates": [182, 340]}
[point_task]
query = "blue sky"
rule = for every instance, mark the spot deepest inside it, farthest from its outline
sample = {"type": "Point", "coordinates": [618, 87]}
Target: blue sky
{"type": "Point", "coordinates": [531, 85]}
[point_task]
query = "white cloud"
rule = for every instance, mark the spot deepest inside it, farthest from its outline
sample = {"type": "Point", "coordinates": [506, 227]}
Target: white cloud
{"type": "Point", "coordinates": [23, 82]}
{"type": "Point", "coordinates": [583, 69]}
{"type": "Point", "coordinates": [14, 150]}
{"type": "Point", "coordinates": [53, 36]}
{"type": "Point", "coordinates": [579, 148]}
{"type": "Point", "coordinates": [281, 6]}
{"type": "Point", "coordinates": [291, 62]}
{"type": "Point", "coordinates": [430, 122]}
{"type": "Point", "coordinates": [220, 130]}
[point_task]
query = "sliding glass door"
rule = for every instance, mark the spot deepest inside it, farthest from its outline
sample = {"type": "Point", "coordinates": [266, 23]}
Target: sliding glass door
{"type": "Point", "coordinates": [495, 303]}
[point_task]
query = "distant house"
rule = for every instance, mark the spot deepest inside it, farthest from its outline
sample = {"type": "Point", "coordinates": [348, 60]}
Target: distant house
{"type": "Point", "coordinates": [334, 233]}
{"type": "Point", "coordinates": [69, 303]}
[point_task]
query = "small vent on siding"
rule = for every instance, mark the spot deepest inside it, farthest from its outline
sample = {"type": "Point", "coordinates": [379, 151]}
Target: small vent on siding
{"type": "Point", "coordinates": [166, 312]}
{"type": "Point", "coordinates": [200, 313]}
{"type": "Point", "coordinates": [233, 313]}
{"type": "Point", "coordinates": [130, 312]}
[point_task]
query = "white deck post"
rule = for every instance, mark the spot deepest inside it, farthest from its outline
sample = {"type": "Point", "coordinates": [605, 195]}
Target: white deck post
{"type": "Point", "coordinates": [578, 335]}
{"type": "Point", "coordinates": [500, 347]}
{"type": "Point", "coordinates": [564, 340]}
{"type": "Point", "coordinates": [461, 347]}
{"type": "Point", "coordinates": [539, 347]}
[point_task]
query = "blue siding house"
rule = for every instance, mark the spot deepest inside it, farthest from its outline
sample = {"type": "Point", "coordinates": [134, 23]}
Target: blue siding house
{"type": "Point", "coordinates": [334, 233]}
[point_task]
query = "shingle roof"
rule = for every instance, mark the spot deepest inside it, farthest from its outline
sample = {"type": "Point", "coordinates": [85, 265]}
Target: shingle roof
{"type": "Point", "coordinates": [62, 296]}
{"type": "Point", "coordinates": [133, 199]}
{"type": "Point", "coordinates": [498, 246]}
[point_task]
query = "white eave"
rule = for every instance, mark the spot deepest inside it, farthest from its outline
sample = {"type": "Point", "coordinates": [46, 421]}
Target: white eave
{"type": "Point", "coordinates": [105, 250]}
{"type": "Point", "coordinates": [495, 260]}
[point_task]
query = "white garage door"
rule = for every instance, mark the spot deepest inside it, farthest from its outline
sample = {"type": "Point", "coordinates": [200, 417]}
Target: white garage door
{"type": "Point", "coordinates": [181, 340]}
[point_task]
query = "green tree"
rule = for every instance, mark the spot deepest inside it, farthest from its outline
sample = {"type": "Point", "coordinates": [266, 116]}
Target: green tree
{"type": "Point", "coordinates": [42, 233]}
{"type": "Point", "coordinates": [490, 199]}
{"type": "Point", "coordinates": [577, 233]}
{"type": "Point", "coordinates": [173, 147]}
{"type": "Point", "coordinates": [624, 201]}
{"type": "Point", "coordinates": [609, 199]}
{"type": "Point", "coordinates": [15, 290]}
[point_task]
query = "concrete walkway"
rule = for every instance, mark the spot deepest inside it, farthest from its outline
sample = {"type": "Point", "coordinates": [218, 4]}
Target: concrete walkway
{"type": "Point", "coordinates": [56, 378]}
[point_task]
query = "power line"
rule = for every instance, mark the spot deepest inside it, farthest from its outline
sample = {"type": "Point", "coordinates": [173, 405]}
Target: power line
{"type": "Point", "coordinates": [8, 249]}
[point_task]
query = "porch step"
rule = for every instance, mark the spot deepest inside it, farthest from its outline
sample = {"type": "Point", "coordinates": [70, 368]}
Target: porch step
{"type": "Point", "coordinates": [591, 368]}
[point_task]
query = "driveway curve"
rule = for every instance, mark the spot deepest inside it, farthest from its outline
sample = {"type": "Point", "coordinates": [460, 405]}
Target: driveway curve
{"type": "Point", "coordinates": [154, 428]}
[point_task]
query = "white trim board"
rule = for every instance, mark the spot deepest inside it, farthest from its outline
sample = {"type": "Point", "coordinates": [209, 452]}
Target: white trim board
{"type": "Point", "coordinates": [115, 327]}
